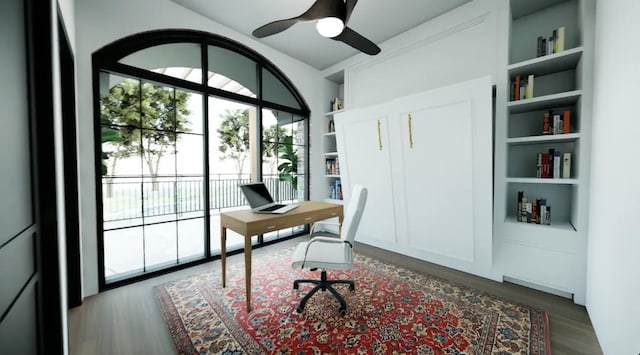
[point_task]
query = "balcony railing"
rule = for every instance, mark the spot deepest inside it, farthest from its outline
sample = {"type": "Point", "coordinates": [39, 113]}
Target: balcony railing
{"type": "Point", "coordinates": [127, 197]}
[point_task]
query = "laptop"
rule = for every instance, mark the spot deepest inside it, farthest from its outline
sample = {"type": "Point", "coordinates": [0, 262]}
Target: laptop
{"type": "Point", "coordinates": [260, 199]}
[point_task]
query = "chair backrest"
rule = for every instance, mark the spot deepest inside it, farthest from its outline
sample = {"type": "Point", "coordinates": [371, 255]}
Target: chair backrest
{"type": "Point", "coordinates": [353, 213]}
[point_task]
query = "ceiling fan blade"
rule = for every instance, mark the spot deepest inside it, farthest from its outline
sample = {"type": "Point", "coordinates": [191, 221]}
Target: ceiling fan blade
{"type": "Point", "coordinates": [319, 9]}
{"type": "Point", "coordinates": [275, 27]}
{"type": "Point", "coordinates": [349, 5]}
{"type": "Point", "coordinates": [355, 40]}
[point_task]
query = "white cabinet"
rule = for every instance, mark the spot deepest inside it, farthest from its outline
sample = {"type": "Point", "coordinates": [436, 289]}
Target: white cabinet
{"type": "Point", "coordinates": [363, 145]}
{"type": "Point", "coordinates": [427, 162]}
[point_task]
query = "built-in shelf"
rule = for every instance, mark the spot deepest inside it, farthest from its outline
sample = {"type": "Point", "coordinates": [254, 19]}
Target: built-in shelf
{"type": "Point", "coordinates": [563, 225]}
{"type": "Point", "coordinates": [543, 102]}
{"type": "Point", "coordinates": [543, 181]}
{"type": "Point", "coordinates": [328, 134]}
{"type": "Point", "coordinates": [331, 154]}
{"type": "Point", "coordinates": [333, 112]}
{"type": "Point", "coordinates": [547, 64]}
{"type": "Point", "coordinates": [551, 138]}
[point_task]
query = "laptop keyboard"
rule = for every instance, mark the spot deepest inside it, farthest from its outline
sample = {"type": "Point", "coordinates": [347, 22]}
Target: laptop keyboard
{"type": "Point", "coordinates": [272, 208]}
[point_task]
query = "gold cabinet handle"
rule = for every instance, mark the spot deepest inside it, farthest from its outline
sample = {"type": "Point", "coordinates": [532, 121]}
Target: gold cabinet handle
{"type": "Point", "coordinates": [379, 136]}
{"type": "Point", "coordinates": [410, 133]}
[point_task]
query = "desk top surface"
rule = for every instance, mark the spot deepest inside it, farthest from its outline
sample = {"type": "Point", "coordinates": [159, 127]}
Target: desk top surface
{"type": "Point", "coordinates": [304, 207]}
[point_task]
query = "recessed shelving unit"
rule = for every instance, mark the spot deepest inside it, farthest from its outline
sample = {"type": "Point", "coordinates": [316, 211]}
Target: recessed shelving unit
{"type": "Point", "coordinates": [561, 86]}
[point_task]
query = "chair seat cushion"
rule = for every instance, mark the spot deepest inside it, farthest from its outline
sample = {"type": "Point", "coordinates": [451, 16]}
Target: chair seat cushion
{"type": "Point", "coordinates": [323, 255]}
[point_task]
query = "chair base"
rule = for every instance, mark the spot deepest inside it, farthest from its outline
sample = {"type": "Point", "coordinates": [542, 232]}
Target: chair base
{"type": "Point", "coordinates": [323, 284]}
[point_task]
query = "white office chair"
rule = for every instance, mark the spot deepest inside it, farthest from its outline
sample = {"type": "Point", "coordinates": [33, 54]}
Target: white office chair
{"type": "Point", "coordinates": [330, 252]}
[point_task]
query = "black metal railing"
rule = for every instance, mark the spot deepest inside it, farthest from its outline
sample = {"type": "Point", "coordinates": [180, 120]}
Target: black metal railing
{"type": "Point", "coordinates": [127, 197]}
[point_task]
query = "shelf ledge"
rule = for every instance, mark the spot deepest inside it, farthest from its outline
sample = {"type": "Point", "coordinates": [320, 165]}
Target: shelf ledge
{"type": "Point", "coordinates": [547, 64]}
{"type": "Point", "coordinates": [544, 102]}
{"type": "Point", "coordinates": [563, 225]}
{"type": "Point", "coordinates": [543, 181]}
{"type": "Point", "coordinates": [331, 113]}
{"type": "Point", "coordinates": [548, 138]}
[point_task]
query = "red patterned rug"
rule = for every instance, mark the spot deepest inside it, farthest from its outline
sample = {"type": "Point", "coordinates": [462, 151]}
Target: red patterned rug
{"type": "Point", "coordinates": [392, 311]}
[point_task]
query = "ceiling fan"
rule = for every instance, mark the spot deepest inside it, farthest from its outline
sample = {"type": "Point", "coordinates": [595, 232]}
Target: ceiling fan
{"type": "Point", "coordinates": [332, 17]}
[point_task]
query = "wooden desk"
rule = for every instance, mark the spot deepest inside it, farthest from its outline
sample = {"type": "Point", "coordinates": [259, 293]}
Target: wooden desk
{"type": "Point", "coordinates": [249, 224]}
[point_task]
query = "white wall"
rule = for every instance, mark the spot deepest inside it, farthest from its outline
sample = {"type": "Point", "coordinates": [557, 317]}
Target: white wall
{"type": "Point", "coordinates": [99, 23]}
{"type": "Point", "coordinates": [67, 10]}
{"type": "Point", "coordinates": [613, 283]}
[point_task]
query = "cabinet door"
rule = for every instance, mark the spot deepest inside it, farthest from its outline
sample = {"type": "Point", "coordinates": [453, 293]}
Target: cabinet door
{"type": "Point", "coordinates": [363, 148]}
{"type": "Point", "coordinates": [443, 175]}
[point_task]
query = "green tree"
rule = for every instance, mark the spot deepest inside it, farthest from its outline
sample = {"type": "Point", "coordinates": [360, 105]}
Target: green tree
{"type": "Point", "coordinates": [288, 169]}
{"type": "Point", "coordinates": [146, 117]}
{"type": "Point", "coordinates": [234, 137]}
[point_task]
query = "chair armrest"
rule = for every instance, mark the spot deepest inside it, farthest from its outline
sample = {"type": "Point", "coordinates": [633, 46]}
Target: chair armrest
{"type": "Point", "coordinates": [323, 240]}
{"type": "Point", "coordinates": [313, 226]}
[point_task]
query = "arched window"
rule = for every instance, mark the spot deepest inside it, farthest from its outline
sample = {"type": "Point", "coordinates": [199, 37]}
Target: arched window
{"type": "Point", "coordinates": [182, 118]}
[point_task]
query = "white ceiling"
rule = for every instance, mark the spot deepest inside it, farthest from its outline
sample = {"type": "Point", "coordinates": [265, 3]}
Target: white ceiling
{"type": "Point", "coordinates": [377, 20]}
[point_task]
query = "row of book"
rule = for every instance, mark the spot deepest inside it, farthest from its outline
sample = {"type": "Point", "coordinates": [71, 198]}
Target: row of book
{"type": "Point", "coordinates": [335, 190]}
{"type": "Point", "coordinates": [556, 122]}
{"type": "Point", "coordinates": [553, 165]}
{"type": "Point", "coordinates": [536, 211]}
{"type": "Point", "coordinates": [332, 167]}
{"type": "Point", "coordinates": [552, 44]}
{"type": "Point", "coordinates": [521, 88]}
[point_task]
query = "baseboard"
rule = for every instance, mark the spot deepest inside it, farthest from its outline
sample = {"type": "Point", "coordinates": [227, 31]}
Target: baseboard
{"type": "Point", "coordinates": [550, 290]}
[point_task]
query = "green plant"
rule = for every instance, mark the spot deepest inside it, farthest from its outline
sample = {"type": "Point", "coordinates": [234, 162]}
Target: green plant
{"type": "Point", "coordinates": [288, 170]}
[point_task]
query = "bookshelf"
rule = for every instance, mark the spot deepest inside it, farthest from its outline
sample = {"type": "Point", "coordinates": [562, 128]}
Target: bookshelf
{"type": "Point", "coordinates": [331, 160]}
{"type": "Point", "coordinates": [560, 81]}
{"type": "Point", "coordinates": [332, 189]}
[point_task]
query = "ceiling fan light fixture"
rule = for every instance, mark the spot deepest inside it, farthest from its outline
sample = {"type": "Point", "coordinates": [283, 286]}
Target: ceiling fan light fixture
{"type": "Point", "coordinates": [329, 26]}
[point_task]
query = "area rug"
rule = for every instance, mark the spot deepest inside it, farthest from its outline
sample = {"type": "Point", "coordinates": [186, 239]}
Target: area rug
{"type": "Point", "coordinates": [392, 311]}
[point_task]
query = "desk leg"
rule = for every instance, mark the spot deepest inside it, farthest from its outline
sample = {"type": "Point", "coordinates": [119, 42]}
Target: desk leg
{"type": "Point", "coordinates": [223, 254]}
{"type": "Point", "coordinates": [247, 269]}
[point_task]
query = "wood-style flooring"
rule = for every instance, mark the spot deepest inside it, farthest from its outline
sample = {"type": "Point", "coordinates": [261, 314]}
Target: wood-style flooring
{"type": "Point", "coordinates": [127, 320]}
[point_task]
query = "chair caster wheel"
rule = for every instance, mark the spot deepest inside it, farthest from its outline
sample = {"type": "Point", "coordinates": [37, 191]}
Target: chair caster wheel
{"type": "Point", "coordinates": [342, 311]}
{"type": "Point", "coordinates": [295, 285]}
{"type": "Point", "coordinates": [352, 287]}
{"type": "Point", "coordinates": [298, 309]}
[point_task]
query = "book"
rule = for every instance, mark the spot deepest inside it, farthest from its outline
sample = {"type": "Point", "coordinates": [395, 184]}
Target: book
{"type": "Point", "coordinates": [550, 45]}
{"type": "Point", "coordinates": [556, 164]}
{"type": "Point", "coordinates": [551, 155]}
{"type": "Point", "coordinates": [545, 166]}
{"type": "Point", "coordinates": [539, 47]}
{"type": "Point", "coordinates": [519, 206]}
{"type": "Point", "coordinates": [556, 123]}
{"type": "Point", "coordinates": [516, 88]}
{"type": "Point", "coordinates": [547, 217]}
{"type": "Point", "coordinates": [523, 88]}
{"type": "Point", "coordinates": [539, 166]}
{"type": "Point", "coordinates": [546, 123]}
{"type": "Point", "coordinates": [566, 165]}
{"type": "Point", "coordinates": [566, 119]}
{"type": "Point", "coordinates": [529, 88]}
{"type": "Point", "coordinates": [559, 40]}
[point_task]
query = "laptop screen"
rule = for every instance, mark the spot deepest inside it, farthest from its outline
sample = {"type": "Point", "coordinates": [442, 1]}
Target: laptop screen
{"type": "Point", "coordinates": [257, 194]}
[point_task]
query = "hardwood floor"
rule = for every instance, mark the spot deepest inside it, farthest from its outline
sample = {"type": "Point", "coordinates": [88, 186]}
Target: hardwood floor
{"type": "Point", "coordinates": [127, 320]}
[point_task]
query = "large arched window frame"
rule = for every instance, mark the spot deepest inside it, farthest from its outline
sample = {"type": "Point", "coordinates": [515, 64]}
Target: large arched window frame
{"type": "Point", "coordinates": [270, 85]}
